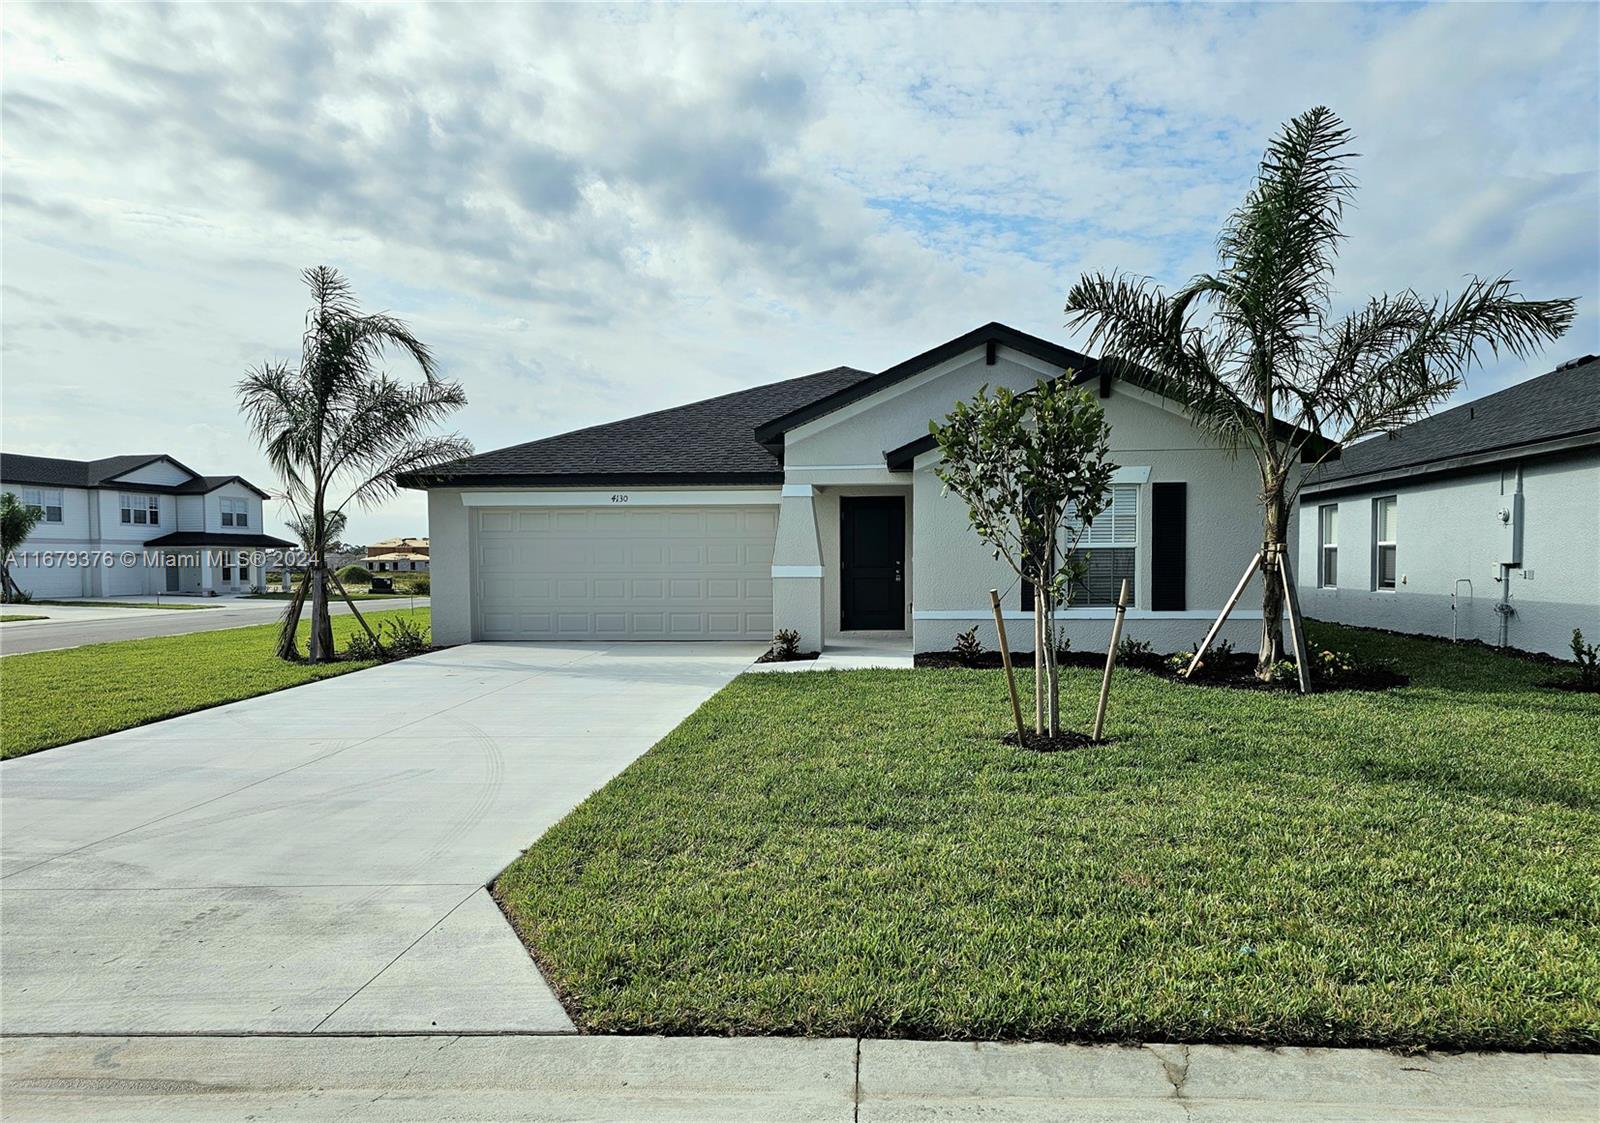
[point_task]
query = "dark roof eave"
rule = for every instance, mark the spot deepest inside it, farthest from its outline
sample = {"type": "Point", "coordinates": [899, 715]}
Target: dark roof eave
{"type": "Point", "coordinates": [425, 481]}
{"type": "Point", "coordinates": [220, 538]}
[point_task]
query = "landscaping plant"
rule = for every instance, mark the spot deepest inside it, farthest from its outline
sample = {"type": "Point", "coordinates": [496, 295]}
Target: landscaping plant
{"type": "Point", "coordinates": [338, 429]}
{"type": "Point", "coordinates": [17, 521]}
{"type": "Point", "coordinates": [1260, 360]}
{"type": "Point", "coordinates": [355, 575]}
{"type": "Point", "coordinates": [785, 645]}
{"type": "Point", "coordinates": [1033, 471]}
{"type": "Point", "coordinates": [1587, 656]}
{"type": "Point", "coordinates": [968, 648]}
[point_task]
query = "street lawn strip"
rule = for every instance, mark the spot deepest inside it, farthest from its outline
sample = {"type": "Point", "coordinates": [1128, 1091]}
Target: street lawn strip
{"type": "Point", "coordinates": [847, 853]}
{"type": "Point", "coordinates": [124, 604]}
{"type": "Point", "coordinates": [7, 619]}
{"type": "Point", "coordinates": [51, 698]}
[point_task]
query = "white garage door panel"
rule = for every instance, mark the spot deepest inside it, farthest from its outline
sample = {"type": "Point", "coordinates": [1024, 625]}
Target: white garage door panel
{"type": "Point", "coordinates": [600, 573]}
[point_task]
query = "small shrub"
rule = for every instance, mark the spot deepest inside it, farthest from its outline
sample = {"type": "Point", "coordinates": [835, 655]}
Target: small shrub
{"type": "Point", "coordinates": [359, 648]}
{"type": "Point", "coordinates": [401, 640]}
{"type": "Point", "coordinates": [1587, 656]}
{"type": "Point", "coordinates": [417, 584]}
{"type": "Point", "coordinates": [355, 575]}
{"type": "Point", "coordinates": [969, 648]}
{"type": "Point", "coordinates": [21, 596]}
{"type": "Point", "coordinates": [1138, 654]}
{"type": "Point", "coordinates": [1178, 661]}
{"type": "Point", "coordinates": [1330, 668]}
{"type": "Point", "coordinates": [785, 645]}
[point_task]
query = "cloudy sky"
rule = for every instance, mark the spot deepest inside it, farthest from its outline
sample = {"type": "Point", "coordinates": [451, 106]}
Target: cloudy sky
{"type": "Point", "coordinates": [590, 212]}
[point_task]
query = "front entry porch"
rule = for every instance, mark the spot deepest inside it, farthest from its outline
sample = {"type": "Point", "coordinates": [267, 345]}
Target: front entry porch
{"type": "Point", "coordinates": [854, 651]}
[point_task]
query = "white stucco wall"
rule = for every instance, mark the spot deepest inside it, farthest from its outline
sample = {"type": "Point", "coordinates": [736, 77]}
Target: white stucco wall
{"type": "Point", "coordinates": [1449, 529]}
{"type": "Point", "coordinates": [450, 558]}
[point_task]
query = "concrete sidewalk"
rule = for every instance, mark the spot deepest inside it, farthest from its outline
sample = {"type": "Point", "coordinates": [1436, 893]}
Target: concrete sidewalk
{"type": "Point", "coordinates": [708, 1079]}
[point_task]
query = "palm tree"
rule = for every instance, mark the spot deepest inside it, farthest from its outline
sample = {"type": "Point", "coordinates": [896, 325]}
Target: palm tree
{"type": "Point", "coordinates": [1260, 361]}
{"type": "Point", "coordinates": [17, 520]}
{"type": "Point", "coordinates": [338, 423]}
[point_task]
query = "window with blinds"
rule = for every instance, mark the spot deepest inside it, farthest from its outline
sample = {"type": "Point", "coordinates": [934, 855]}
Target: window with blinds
{"type": "Point", "coordinates": [1107, 547]}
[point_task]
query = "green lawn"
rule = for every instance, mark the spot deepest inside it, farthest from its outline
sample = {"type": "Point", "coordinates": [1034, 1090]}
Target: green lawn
{"type": "Point", "coordinates": [170, 607]}
{"type": "Point", "coordinates": [855, 853]}
{"type": "Point", "coordinates": [9, 618]}
{"type": "Point", "coordinates": [333, 596]}
{"type": "Point", "coordinates": [53, 697]}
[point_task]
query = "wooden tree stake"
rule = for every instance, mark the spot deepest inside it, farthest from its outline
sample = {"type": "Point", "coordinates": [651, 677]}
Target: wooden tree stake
{"type": "Point", "coordinates": [1297, 626]}
{"type": "Point", "coordinates": [1111, 661]}
{"type": "Point", "coordinates": [348, 599]}
{"type": "Point", "coordinates": [1005, 658]}
{"type": "Point", "coordinates": [1249, 572]}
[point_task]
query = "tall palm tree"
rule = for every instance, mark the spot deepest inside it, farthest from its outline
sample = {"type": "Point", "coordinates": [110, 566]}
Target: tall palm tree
{"type": "Point", "coordinates": [338, 424]}
{"type": "Point", "coordinates": [1256, 344]}
{"type": "Point", "coordinates": [17, 521]}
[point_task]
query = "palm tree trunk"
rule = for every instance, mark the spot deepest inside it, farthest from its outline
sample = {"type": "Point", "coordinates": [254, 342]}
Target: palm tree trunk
{"type": "Point", "coordinates": [1274, 525]}
{"type": "Point", "coordinates": [321, 623]}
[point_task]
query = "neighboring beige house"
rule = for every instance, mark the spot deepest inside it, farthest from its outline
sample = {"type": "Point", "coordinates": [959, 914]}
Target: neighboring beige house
{"type": "Point", "coordinates": [131, 525]}
{"type": "Point", "coordinates": [398, 555]}
{"type": "Point", "coordinates": [812, 504]}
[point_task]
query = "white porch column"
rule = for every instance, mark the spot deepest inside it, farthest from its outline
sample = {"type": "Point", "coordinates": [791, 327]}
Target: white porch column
{"type": "Point", "coordinates": [205, 571]}
{"type": "Point", "coordinates": [797, 567]}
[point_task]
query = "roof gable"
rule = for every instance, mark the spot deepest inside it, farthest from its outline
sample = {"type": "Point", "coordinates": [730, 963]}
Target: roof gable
{"type": "Point", "coordinates": [990, 335]}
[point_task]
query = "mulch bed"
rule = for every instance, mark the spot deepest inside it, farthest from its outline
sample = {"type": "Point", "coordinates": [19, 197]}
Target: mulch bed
{"type": "Point", "coordinates": [1066, 740]}
{"type": "Point", "coordinates": [1238, 673]}
{"type": "Point", "coordinates": [799, 657]}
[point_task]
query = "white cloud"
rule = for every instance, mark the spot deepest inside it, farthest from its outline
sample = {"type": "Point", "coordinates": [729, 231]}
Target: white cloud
{"type": "Point", "coordinates": [590, 212]}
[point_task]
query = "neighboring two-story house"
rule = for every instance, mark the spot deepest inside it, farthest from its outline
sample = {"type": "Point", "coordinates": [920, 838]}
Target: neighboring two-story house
{"type": "Point", "coordinates": [131, 525]}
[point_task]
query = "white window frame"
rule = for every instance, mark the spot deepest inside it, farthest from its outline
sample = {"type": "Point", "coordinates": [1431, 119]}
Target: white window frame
{"type": "Point", "coordinates": [235, 512]}
{"type": "Point", "coordinates": [44, 500]}
{"type": "Point", "coordinates": [139, 509]}
{"type": "Point", "coordinates": [1328, 546]}
{"type": "Point", "coordinates": [1380, 544]}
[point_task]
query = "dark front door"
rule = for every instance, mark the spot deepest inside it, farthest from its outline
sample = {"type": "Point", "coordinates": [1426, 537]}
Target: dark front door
{"type": "Point", "coordinates": [872, 563]}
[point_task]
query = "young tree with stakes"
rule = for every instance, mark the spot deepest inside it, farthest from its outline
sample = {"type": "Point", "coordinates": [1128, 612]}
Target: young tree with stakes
{"type": "Point", "coordinates": [17, 520]}
{"type": "Point", "coordinates": [338, 423]}
{"type": "Point", "coordinates": [1261, 362]}
{"type": "Point", "coordinates": [1032, 469]}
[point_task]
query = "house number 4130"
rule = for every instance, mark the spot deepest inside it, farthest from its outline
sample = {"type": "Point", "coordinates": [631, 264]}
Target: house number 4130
{"type": "Point", "coordinates": [619, 498]}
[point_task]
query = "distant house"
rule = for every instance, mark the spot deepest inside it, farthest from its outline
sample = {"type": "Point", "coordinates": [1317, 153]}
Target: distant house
{"type": "Point", "coordinates": [130, 525]}
{"type": "Point", "coordinates": [1481, 522]}
{"type": "Point", "coordinates": [398, 555]}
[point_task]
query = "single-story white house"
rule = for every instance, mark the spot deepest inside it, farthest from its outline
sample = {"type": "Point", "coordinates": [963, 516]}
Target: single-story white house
{"type": "Point", "coordinates": [131, 525]}
{"type": "Point", "coordinates": [1480, 522]}
{"type": "Point", "coordinates": [812, 504]}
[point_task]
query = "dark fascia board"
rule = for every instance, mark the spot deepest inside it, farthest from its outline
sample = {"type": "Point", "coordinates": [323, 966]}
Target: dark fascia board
{"type": "Point", "coordinates": [423, 481]}
{"type": "Point", "coordinates": [1454, 465]}
{"type": "Point", "coordinates": [771, 432]}
{"type": "Point", "coordinates": [114, 483]}
{"type": "Point", "coordinates": [220, 538]}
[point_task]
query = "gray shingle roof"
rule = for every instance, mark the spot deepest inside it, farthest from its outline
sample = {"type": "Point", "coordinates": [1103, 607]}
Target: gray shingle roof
{"type": "Point", "coordinates": [707, 442]}
{"type": "Point", "coordinates": [52, 471]}
{"type": "Point", "coordinates": [1562, 403]}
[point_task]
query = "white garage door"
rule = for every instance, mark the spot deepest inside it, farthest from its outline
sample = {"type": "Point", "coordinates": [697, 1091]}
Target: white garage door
{"type": "Point", "coordinates": [646, 573]}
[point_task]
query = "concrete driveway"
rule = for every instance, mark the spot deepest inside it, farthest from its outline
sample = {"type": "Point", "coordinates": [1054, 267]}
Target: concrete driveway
{"type": "Point", "coordinates": [314, 860]}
